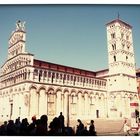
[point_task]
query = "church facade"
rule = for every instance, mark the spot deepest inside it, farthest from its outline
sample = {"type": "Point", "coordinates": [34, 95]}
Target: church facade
{"type": "Point", "coordinates": [29, 86]}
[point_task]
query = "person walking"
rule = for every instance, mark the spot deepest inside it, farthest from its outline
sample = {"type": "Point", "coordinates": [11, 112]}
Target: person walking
{"type": "Point", "coordinates": [61, 119]}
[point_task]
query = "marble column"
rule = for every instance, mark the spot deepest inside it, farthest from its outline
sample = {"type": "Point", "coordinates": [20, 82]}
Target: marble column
{"type": "Point", "coordinates": [33, 102]}
{"type": "Point", "coordinates": [86, 105]}
{"type": "Point", "coordinates": [58, 105]}
{"type": "Point", "coordinates": [106, 108]}
{"type": "Point", "coordinates": [46, 100]}
{"type": "Point", "coordinates": [123, 107]}
{"type": "Point", "coordinates": [79, 105]}
{"type": "Point", "coordinates": [16, 102]}
{"type": "Point", "coordinates": [66, 108]}
{"type": "Point", "coordinates": [42, 102]}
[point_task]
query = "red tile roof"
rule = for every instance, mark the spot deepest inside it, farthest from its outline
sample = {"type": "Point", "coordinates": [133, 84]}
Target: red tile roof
{"type": "Point", "coordinates": [62, 68]}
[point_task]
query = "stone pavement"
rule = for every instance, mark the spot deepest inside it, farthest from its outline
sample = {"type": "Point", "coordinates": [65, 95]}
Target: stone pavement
{"type": "Point", "coordinates": [107, 127]}
{"type": "Point", "coordinates": [110, 127]}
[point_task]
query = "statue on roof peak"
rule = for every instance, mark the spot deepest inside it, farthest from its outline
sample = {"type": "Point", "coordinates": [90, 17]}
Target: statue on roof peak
{"type": "Point", "coordinates": [20, 25]}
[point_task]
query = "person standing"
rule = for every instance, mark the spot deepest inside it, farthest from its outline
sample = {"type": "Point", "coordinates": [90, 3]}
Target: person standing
{"type": "Point", "coordinates": [80, 128]}
{"type": "Point", "coordinates": [42, 126]}
{"type": "Point", "coordinates": [92, 131]}
{"type": "Point", "coordinates": [61, 119]}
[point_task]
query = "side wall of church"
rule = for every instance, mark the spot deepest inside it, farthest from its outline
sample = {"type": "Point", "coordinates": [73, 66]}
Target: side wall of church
{"type": "Point", "coordinates": [27, 100]}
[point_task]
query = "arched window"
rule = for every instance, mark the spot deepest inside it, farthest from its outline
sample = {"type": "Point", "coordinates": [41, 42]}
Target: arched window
{"type": "Point", "coordinates": [45, 74]}
{"type": "Point", "coordinates": [73, 104]}
{"type": "Point", "coordinates": [51, 104]}
{"type": "Point", "coordinates": [25, 75]}
{"type": "Point", "coordinates": [113, 35]}
{"type": "Point", "coordinates": [114, 58]}
{"type": "Point", "coordinates": [64, 78]}
{"type": "Point", "coordinates": [49, 74]}
{"type": "Point", "coordinates": [89, 81]}
{"type": "Point", "coordinates": [67, 77]}
{"type": "Point", "coordinates": [57, 75]}
{"type": "Point", "coordinates": [16, 51]}
{"type": "Point", "coordinates": [123, 45]}
{"type": "Point", "coordinates": [113, 46]}
{"type": "Point", "coordinates": [74, 80]}
{"type": "Point", "coordinates": [71, 78]}
{"type": "Point", "coordinates": [40, 74]}
{"type": "Point", "coordinates": [35, 72]}
{"type": "Point", "coordinates": [77, 79]}
{"type": "Point", "coordinates": [128, 47]}
{"type": "Point", "coordinates": [53, 76]}
{"type": "Point", "coordinates": [126, 58]}
{"type": "Point", "coordinates": [127, 37]}
{"type": "Point", "coordinates": [61, 76]}
{"type": "Point", "coordinates": [81, 79]}
{"type": "Point", "coordinates": [122, 35]}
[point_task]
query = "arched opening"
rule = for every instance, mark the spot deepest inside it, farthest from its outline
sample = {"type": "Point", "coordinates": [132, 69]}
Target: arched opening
{"type": "Point", "coordinates": [114, 58]}
{"type": "Point", "coordinates": [51, 103]}
{"type": "Point", "coordinates": [33, 101]}
{"type": "Point", "coordinates": [73, 103]}
{"type": "Point", "coordinates": [42, 102]}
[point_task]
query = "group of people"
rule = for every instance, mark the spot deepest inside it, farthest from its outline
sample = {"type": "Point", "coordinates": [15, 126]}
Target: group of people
{"type": "Point", "coordinates": [40, 127]}
{"type": "Point", "coordinates": [81, 130]}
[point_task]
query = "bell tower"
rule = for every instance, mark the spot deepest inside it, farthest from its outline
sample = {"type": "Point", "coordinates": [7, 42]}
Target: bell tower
{"type": "Point", "coordinates": [122, 74]}
{"type": "Point", "coordinates": [17, 40]}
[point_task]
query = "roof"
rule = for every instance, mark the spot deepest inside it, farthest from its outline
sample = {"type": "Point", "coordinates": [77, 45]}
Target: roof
{"type": "Point", "coordinates": [62, 68]}
{"type": "Point", "coordinates": [104, 70]}
{"type": "Point", "coordinates": [119, 21]}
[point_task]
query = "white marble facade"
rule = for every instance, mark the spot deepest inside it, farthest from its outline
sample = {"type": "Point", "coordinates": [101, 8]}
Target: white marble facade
{"type": "Point", "coordinates": [31, 87]}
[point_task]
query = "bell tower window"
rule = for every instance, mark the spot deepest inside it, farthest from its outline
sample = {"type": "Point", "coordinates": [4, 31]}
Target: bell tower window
{"type": "Point", "coordinates": [123, 45]}
{"type": "Point", "coordinates": [113, 46]}
{"type": "Point", "coordinates": [127, 37]}
{"type": "Point", "coordinates": [122, 35]}
{"type": "Point", "coordinates": [16, 52]}
{"type": "Point", "coordinates": [126, 58]}
{"type": "Point", "coordinates": [113, 35]}
{"type": "Point", "coordinates": [128, 47]}
{"type": "Point", "coordinates": [114, 58]}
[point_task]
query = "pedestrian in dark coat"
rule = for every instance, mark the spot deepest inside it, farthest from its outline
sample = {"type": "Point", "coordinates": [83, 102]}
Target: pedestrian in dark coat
{"type": "Point", "coordinates": [80, 128]}
{"type": "Point", "coordinates": [61, 119]}
{"type": "Point", "coordinates": [92, 128]}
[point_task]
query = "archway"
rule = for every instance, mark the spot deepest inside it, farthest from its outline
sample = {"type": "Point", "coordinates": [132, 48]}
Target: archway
{"type": "Point", "coordinates": [51, 103]}
{"type": "Point", "coordinates": [33, 101]}
{"type": "Point", "coordinates": [42, 101]}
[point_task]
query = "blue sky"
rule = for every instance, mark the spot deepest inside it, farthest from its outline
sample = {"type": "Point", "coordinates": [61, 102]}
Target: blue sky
{"type": "Point", "coordinates": [72, 35]}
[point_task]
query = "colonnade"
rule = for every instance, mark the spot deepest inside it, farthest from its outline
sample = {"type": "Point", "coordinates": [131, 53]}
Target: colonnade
{"type": "Point", "coordinates": [53, 77]}
{"type": "Point", "coordinates": [73, 103]}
